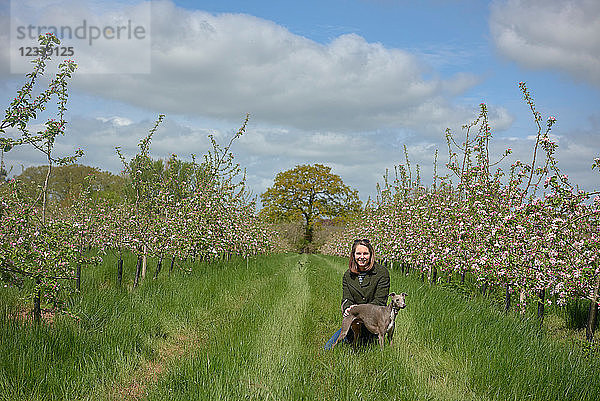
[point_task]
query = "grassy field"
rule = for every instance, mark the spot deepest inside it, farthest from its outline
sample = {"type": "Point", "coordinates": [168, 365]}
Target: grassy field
{"type": "Point", "coordinates": [255, 330]}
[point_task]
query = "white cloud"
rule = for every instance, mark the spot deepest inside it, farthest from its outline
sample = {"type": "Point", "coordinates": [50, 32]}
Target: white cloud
{"type": "Point", "coordinates": [360, 159]}
{"type": "Point", "coordinates": [98, 138]}
{"type": "Point", "coordinates": [550, 34]}
{"type": "Point", "coordinates": [116, 120]}
{"type": "Point", "coordinates": [500, 118]}
{"type": "Point", "coordinates": [226, 65]}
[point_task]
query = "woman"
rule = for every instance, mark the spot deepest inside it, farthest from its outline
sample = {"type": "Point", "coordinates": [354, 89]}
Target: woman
{"type": "Point", "coordinates": [364, 282]}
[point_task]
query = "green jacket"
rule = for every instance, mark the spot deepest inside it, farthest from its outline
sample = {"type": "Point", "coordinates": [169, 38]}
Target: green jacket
{"type": "Point", "coordinates": [374, 289]}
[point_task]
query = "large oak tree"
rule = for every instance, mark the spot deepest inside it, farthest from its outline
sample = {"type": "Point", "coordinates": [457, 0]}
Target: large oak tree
{"type": "Point", "coordinates": [311, 192]}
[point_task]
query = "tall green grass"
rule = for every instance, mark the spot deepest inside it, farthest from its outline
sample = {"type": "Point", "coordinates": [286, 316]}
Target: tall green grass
{"type": "Point", "coordinates": [255, 330]}
{"type": "Point", "coordinates": [119, 330]}
{"type": "Point", "coordinates": [493, 355]}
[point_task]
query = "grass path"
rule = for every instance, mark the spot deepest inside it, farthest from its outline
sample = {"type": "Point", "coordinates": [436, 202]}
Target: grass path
{"type": "Point", "coordinates": [280, 357]}
{"type": "Point", "coordinates": [255, 330]}
{"type": "Point", "coordinates": [266, 337]}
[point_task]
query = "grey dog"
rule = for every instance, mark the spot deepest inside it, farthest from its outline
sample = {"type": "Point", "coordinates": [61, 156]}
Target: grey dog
{"type": "Point", "coordinates": [377, 319]}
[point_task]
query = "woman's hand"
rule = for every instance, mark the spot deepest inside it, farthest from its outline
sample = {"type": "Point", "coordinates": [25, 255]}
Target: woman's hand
{"type": "Point", "coordinates": [347, 311]}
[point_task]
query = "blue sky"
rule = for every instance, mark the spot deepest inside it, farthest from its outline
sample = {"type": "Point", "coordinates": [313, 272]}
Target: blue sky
{"type": "Point", "coordinates": [344, 83]}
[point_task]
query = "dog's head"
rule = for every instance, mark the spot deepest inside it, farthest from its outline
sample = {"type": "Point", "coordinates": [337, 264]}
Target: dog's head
{"type": "Point", "coordinates": [398, 300]}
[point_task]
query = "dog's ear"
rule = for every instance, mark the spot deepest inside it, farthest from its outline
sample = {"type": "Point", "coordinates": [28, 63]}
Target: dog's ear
{"type": "Point", "coordinates": [405, 294]}
{"type": "Point", "coordinates": [392, 294]}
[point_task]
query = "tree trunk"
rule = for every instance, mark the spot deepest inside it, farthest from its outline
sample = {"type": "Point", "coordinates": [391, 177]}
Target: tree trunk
{"type": "Point", "coordinates": [542, 295]}
{"type": "Point", "coordinates": [138, 271]}
{"type": "Point", "coordinates": [463, 273]}
{"type": "Point", "coordinates": [120, 271]}
{"type": "Point", "coordinates": [172, 265]}
{"type": "Point", "coordinates": [590, 327]}
{"type": "Point", "coordinates": [484, 288]}
{"type": "Point", "coordinates": [507, 303]}
{"type": "Point", "coordinates": [37, 307]}
{"type": "Point", "coordinates": [158, 267]}
{"type": "Point", "coordinates": [78, 280]}
{"type": "Point", "coordinates": [308, 233]}
{"type": "Point", "coordinates": [522, 301]}
{"type": "Point", "coordinates": [144, 262]}
{"type": "Point", "coordinates": [433, 275]}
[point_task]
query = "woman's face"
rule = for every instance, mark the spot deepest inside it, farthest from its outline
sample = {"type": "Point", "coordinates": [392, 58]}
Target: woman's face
{"type": "Point", "coordinates": [362, 256]}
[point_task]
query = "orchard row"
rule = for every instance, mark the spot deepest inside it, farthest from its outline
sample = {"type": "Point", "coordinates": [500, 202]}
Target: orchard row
{"type": "Point", "coordinates": [176, 210]}
{"type": "Point", "coordinates": [526, 230]}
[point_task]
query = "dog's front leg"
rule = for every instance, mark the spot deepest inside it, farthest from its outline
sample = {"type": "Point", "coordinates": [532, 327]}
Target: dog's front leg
{"type": "Point", "coordinates": [391, 335]}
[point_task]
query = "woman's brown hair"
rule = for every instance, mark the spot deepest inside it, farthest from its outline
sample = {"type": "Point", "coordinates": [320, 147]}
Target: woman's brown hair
{"type": "Point", "coordinates": [352, 265]}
